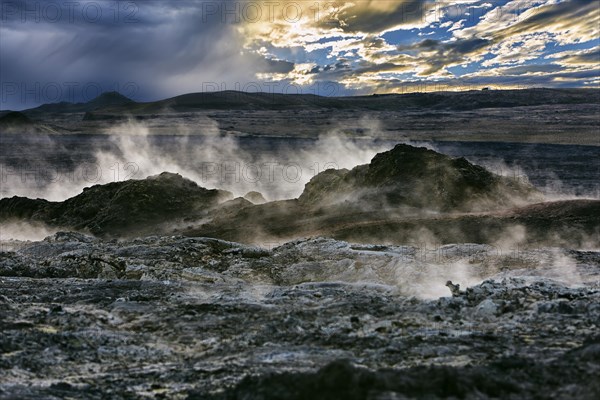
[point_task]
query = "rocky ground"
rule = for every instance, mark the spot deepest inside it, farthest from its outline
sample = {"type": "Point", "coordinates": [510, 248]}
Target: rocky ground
{"type": "Point", "coordinates": [181, 317]}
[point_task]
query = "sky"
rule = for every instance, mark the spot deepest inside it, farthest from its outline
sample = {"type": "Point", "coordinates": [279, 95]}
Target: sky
{"type": "Point", "coordinates": [73, 50]}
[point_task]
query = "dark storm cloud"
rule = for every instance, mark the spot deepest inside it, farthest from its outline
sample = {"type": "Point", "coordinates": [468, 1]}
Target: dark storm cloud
{"type": "Point", "coordinates": [514, 78]}
{"type": "Point", "coordinates": [383, 67]}
{"type": "Point", "coordinates": [439, 54]}
{"type": "Point", "coordinates": [467, 46]}
{"type": "Point", "coordinates": [101, 13]}
{"type": "Point", "coordinates": [425, 44]}
{"type": "Point", "coordinates": [557, 79]}
{"type": "Point", "coordinates": [590, 57]}
{"type": "Point", "coordinates": [371, 42]}
{"type": "Point", "coordinates": [532, 69]}
{"type": "Point", "coordinates": [593, 57]}
{"type": "Point", "coordinates": [567, 13]}
{"type": "Point", "coordinates": [144, 49]}
{"type": "Point", "coordinates": [569, 16]}
{"type": "Point", "coordinates": [151, 49]}
{"type": "Point", "coordinates": [461, 46]}
{"type": "Point", "coordinates": [279, 66]}
{"type": "Point", "coordinates": [453, 53]}
{"type": "Point", "coordinates": [375, 16]}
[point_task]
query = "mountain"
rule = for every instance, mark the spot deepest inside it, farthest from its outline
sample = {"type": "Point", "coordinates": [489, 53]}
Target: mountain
{"type": "Point", "coordinates": [109, 99]}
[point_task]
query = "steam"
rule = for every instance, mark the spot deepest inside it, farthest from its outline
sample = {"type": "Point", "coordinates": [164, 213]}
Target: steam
{"type": "Point", "coordinates": [473, 264]}
{"type": "Point", "coordinates": [204, 153]}
{"type": "Point", "coordinates": [422, 270]}
{"type": "Point", "coordinates": [214, 158]}
{"type": "Point", "coordinates": [548, 181]}
{"type": "Point", "coordinates": [468, 264]}
{"type": "Point", "coordinates": [555, 189]}
{"type": "Point", "coordinates": [42, 167]}
{"type": "Point", "coordinates": [13, 232]}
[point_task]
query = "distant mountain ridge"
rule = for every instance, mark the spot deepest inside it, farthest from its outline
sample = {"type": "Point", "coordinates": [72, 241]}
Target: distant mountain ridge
{"type": "Point", "coordinates": [116, 103]}
{"type": "Point", "coordinates": [103, 101]}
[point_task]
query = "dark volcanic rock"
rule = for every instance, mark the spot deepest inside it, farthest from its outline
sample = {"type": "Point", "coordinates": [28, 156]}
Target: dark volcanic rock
{"type": "Point", "coordinates": [120, 207]}
{"type": "Point", "coordinates": [418, 177]}
{"type": "Point", "coordinates": [512, 377]}
{"type": "Point", "coordinates": [174, 317]}
{"type": "Point", "coordinates": [24, 208]}
{"type": "Point", "coordinates": [123, 206]}
{"type": "Point", "coordinates": [323, 187]}
{"type": "Point", "coordinates": [573, 223]}
{"type": "Point", "coordinates": [390, 201]}
{"type": "Point", "coordinates": [106, 101]}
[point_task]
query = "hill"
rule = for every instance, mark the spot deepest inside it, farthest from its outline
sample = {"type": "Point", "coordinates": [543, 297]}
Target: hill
{"type": "Point", "coordinates": [417, 177]}
{"type": "Point", "coordinates": [17, 122]}
{"type": "Point", "coordinates": [103, 101]}
{"type": "Point", "coordinates": [115, 103]}
{"type": "Point", "coordinates": [15, 118]}
{"type": "Point", "coordinates": [119, 207]}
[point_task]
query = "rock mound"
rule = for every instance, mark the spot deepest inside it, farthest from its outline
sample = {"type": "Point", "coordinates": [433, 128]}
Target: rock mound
{"type": "Point", "coordinates": [417, 177]}
{"type": "Point", "coordinates": [120, 207]}
{"type": "Point", "coordinates": [255, 197]}
{"type": "Point", "coordinates": [23, 208]}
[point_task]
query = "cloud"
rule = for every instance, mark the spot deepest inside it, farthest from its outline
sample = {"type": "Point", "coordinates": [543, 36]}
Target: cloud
{"type": "Point", "coordinates": [293, 23]}
{"type": "Point", "coordinates": [584, 58]}
{"type": "Point", "coordinates": [518, 49]}
{"type": "Point", "coordinates": [569, 21]}
{"type": "Point", "coordinates": [481, 35]}
{"type": "Point", "coordinates": [536, 69]}
{"type": "Point", "coordinates": [150, 50]}
{"type": "Point", "coordinates": [168, 49]}
{"type": "Point", "coordinates": [432, 56]}
{"type": "Point", "coordinates": [375, 16]}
